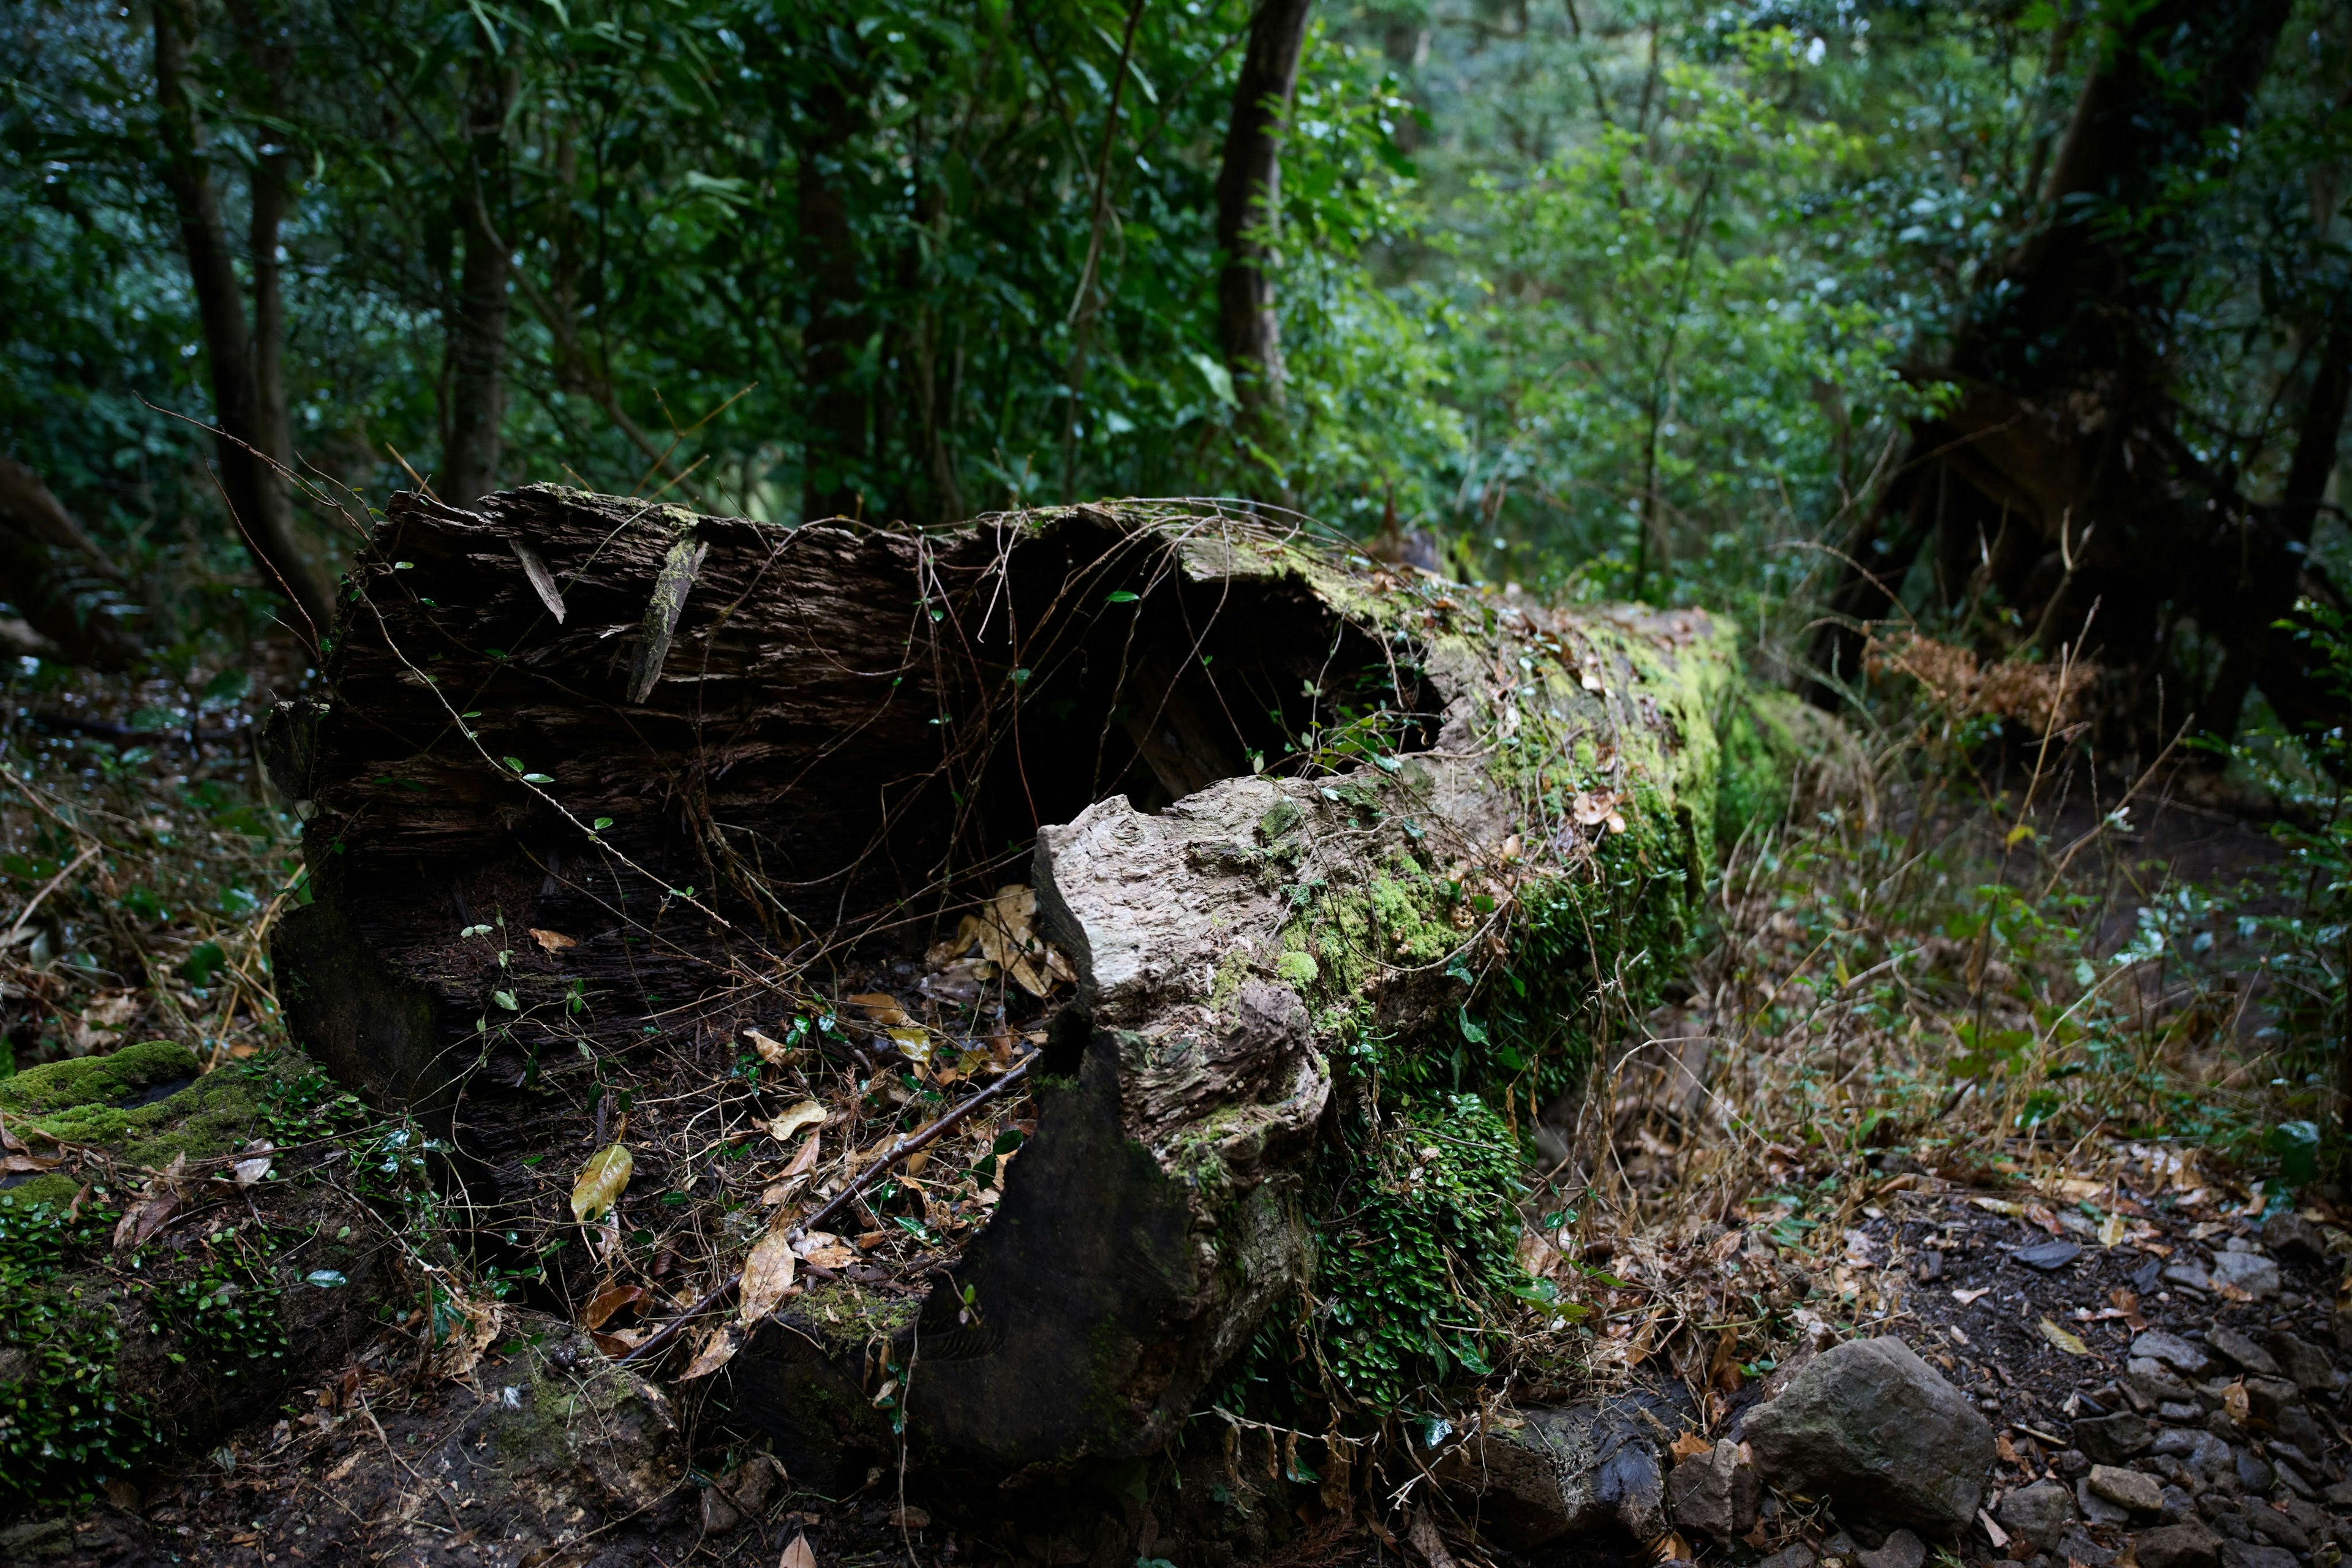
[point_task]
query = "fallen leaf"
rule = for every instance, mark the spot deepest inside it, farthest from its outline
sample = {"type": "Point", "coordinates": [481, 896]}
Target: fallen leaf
{"type": "Point", "coordinates": [775, 1053]}
{"type": "Point", "coordinates": [1965, 1297]}
{"type": "Point", "coordinates": [910, 1518]}
{"type": "Point", "coordinates": [882, 1007]}
{"type": "Point", "coordinates": [2234, 1401]}
{"type": "Point", "coordinates": [798, 1555]}
{"type": "Point", "coordinates": [807, 1114]}
{"type": "Point", "coordinates": [2064, 1339]}
{"type": "Point", "coordinates": [767, 1276]}
{"type": "Point", "coordinates": [714, 1349]}
{"type": "Point", "coordinates": [834, 1256]}
{"type": "Point", "coordinates": [869, 1240]}
{"type": "Point", "coordinates": [2127, 1305]}
{"type": "Point", "coordinates": [618, 1342]}
{"type": "Point", "coordinates": [806, 1161]}
{"type": "Point", "coordinates": [143, 1219]}
{"type": "Point", "coordinates": [15, 1163]}
{"type": "Point", "coordinates": [602, 1181]}
{"type": "Point", "coordinates": [913, 1041]}
{"type": "Point", "coordinates": [2112, 1230]}
{"type": "Point", "coordinates": [553, 941]}
{"type": "Point", "coordinates": [610, 1302]}
{"type": "Point", "coordinates": [2041, 1216]}
{"type": "Point", "coordinates": [1689, 1445]}
{"type": "Point", "coordinates": [254, 1167]}
{"type": "Point", "coordinates": [477, 1326]}
{"type": "Point", "coordinates": [2003, 1449]}
{"type": "Point", "coordinates": [1993, 1532]}
{"type": "Point", "coordinates": [2000, 1207]}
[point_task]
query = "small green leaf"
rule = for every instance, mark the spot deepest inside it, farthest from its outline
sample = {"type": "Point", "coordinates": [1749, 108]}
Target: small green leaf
{"type": "Point", "coordinates": [537, 778]}
{"type": "Point", "coordinates": [601, 823]}
{"type": "Point", "coordinates": [1119, 596]}
{"type": "Point", "coordinates": [516, 764]}
{"type": "Point", "coordinates": [505, 999]}
{"type": "Point", "coordinates": [403, 565]}
{"type": "Point", "coordinates": [325, 1278]}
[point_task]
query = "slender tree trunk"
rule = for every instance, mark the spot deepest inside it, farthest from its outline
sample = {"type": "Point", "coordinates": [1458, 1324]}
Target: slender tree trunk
{"type": "Point", "coordinates": [1249, 200]}
{"type": "Point", "coordinates": [59, 580]}
{"type": "Point", "coordinates": [2303, 696]}
{"type": "Point", "coordinates": [835, 463]}
{"type": "Point", "coordinates": [248, 393]}
{"type": "Point", "coordinates": [477, 332]}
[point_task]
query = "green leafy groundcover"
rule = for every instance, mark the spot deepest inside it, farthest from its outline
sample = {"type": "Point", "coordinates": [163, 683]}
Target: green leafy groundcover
{"type": "Point", "coordinates": [65, 1426]}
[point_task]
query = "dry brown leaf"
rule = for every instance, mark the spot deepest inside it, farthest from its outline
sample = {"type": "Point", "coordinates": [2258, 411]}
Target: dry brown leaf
{"type": "Point", "coordinates": [601, 1181]}
{"type": "Point", "coordinates": [617, 1343]}
{"type": "Point", "coordinates": [767, 1277]}
{"type": "Point", "coordinates": [880, 1006]}
{"type": "Point", "coordinates": [553, 941]}
{"type": "Point", "coordinates": [143, 1218]}
{"type": "Point", "coordinates": [775, 1053]}
{"type": "Point", "coordinates": [15, 1163]}
{"type": "Point", "coordinates": [806, 1161]}
{"type": "Point", "coordinates": [715, 1348]}
{"type": "Point", "coordinates": [608, 1303]}
{"type": "Point", "coordinates": [807, 1114]}
{"type": "Point", "coordinates": [798, 1555]}
{"type": "Point", "coordinates": [908, 1517]}
{"type": "Point", "coordinates": [479, 1325]}
{"type": "Point", "coordinates": [1689, 1445]}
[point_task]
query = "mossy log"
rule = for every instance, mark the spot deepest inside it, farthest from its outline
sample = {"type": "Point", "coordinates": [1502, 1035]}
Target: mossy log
{"type": "Point", "coordinates": [1318, 836]}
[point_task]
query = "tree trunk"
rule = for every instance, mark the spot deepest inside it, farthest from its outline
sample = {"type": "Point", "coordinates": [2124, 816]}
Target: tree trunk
{"type": "Point", "coordinates": [248, 395]}
{"type": "Point", "coordinates": [1249, 202]}
{"type": "Point", "coordinates": [2057, 481]}
{"type": "Point", "coordinates": [62, 582]}
{"type": "Point", "coordinates": [1290, 822]}
{"type": "Point", "coordinates": [836, 459]}
{"type": "Point", "coordinates": [477, 332]}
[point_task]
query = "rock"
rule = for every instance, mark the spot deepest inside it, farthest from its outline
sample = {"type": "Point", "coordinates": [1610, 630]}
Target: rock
{"type": "Point", "coordinates": [1568, 1471]}
{"type": "Point", "coordinates": [2180, 1414]}
{"type": "Point", "coordinates": [2242, 1350]}
{"type": "Point", "coordinates": [2127, 1489]}
{"type": "Point", "coordinates": [1798, 1555]}
{"type": "Point", "coordinates": [2294, 1423]}
{"type": "Point", "coordinates": [2177, 1505]}
{"type": "Point", "coordinates": [2040, 1512]}
{"type": "Point", "coordinates": [2154, 1381]}
{"type": "Point", "coordinates": [718, 1515]}
{"type": "Point", "coordinates": [2079, 1547]}
{"type": "Point", "coordinates": [2049, 1257]}
{"type": "Point", "coordinates": [2112, 1440]}
{"type": "Point", "coordinates": [2254, 1472]}
{"type": "Point", "coordinates": [1716, 1492]}
{"type": "Point", "coordinates": [2266, 1396]}
{"type": "Point", "coordinates": [2185, 1273]}
{"type": "Point", "coordinates": [2071, 1463]}
{"type": "Point", "coordinates": [2290, 1235]}
{"type": "Point", "coordinates": [2340, 1494]}
{"type": "Point", "coordinates": [2184, 1545]}
{"type": "Point", "coordinates": [1874, 1427]}
{"type": "Point", "coordinates": [1900, 1549]}
{"type": "Point", "coordinates": [2206, 1456]}
{"type": "Point", "coordinates": [2282, 1530]}
{"type": "Point", "coordinates": [2312, 1369]}
{"type": "Point", "coordinates": [2294, 1483]}
{"type": "Point", "coordinates": [2096, 1508]}
{"type": "Point", "coordinates": [2159, 1345]}
{"type": "Point", "coordinates": [2237, 1555]}
{"type": "Point", "coordinates": [2248, 1271]}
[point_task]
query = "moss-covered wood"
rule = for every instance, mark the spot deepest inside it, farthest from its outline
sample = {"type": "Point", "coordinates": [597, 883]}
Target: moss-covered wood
{"type": "Point", "coordinates": [1339, 853]}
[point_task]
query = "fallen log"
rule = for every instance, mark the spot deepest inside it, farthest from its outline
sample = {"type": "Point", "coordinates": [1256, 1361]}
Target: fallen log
{"type": "Point", "coordinates": [601, 790]}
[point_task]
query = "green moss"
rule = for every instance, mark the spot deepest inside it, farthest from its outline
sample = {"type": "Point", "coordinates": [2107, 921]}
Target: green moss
{"type": "Point", "coordinates": [84, 1101]}
{"type": "Point", "coordinates": [105, 1080]}
{"type": "Point", "coordinates": [1297, 969]}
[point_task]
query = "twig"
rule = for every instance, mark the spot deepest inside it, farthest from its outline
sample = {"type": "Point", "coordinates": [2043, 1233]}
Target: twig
{"type": "Point", "coordinates": [849, 1194]}
{"type": "Point", "coordinates": [50, 887]}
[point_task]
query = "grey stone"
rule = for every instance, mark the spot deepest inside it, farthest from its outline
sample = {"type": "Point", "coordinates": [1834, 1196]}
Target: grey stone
{"type": "Point", "coordinates": [2282, 1530]}
{"type": "Point", "coordinates": [2079, 1546]}
{"type": "Point", "coordinates": [2184, 1545]}
{"type": "Point", "coordinates": [2040, 1512]}
{"type": "Point", "coordinates": [2153, 1380]}
{"type": "Point", "coordinates": [718, 1515]}
{"type": "Point", "coordinates": [2294, 1423]}
{"type": "Point", "coordinates": [2294, 1483]}
{"type": "Point", "coordinates": [2311, 1368]}
{"type": "Point", "coordinates": [1567, 1470]}
{"type": "Point", "coordinates": [1799, 1555]}
{"type": "Point", "coordinates": [2127, 1489]}
{"type": "Point", "coordinates": [2188, 1415]}
{"type": "Point", "coordinates": [2290, 1235]}
{"type": "Point", "coordinates": [2112, 1440]}
{"type": "Point", "coordinates": [1875, 1427]}
{"type": "Point", "coordinates": [2185, 1273]}
{"type": "Point", "coordinates": [1899, 1550]}
{"type": "Point", "coordinates": [2177, 1505]}
{"type": "Point", "coordinates": [2340, 1494]}
{"type": "Point", "coordinates": [2049, 1257]}
{"type": "Point", "coordinates": [2254, 1472]}
{"type": "Point", "coordinates": [2159, 1345]}
{"type": "Point", "coordinates": [2207, 1457]}
{"type": "Point", "coordinates": [2266, 1396]}
{"type": "Point", "coordinates": [1715, 1492]}
{"type": "Point", "coordinates": [2242, 1350]}
{"type": "Point", "coordinates": [2248, 1271]}
{"type": "Point", "coordinates": [2096, 1508]}
{"type": "Point", "coordinates": [2237, 1554]}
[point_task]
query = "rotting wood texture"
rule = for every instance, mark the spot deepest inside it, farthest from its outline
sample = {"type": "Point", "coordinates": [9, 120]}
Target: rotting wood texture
{"type": "Point", "coordinates": [1276, 803]}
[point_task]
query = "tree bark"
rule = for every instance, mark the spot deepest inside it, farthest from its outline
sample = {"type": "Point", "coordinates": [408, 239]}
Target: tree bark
{"type": "Point", "coordinates": [62, 584]}
{"type": "Point", "coordinates": [836, 457]}
{"type": "Point", "coordinates": [1249, 202]}
{"type": "Point", "coordinates": [762, 753]}
{"type": "Point", "coordinates": [248, 394]}
{"type": "Point", "coordinates": [477, 331]}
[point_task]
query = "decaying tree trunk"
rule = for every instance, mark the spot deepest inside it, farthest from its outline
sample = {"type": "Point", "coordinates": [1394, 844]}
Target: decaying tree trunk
{"type": "Point", "coordinates": [1282, 813]}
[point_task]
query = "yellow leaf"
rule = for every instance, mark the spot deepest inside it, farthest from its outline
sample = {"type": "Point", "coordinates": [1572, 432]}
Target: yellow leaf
{"type": "Point", "coordinates": [2000, 1206]}
{"type": "Point", "coordinates": [913, 1042]}
{"type": "Point", "coordinates": [2018, 834]}
{"type": "Point", "coordinates": [2112, 1230]}
{"type": "Point", "coordinates": [601, 1181]}
{"type": "Point", "coordinates": [807, 1114]}
{"type": "Point", "coordinates": [2064, 1339]}
{"type": "Point", "coordinates": [767, 1275]}
{"type": "Point", "coordinates": [880, 1006]}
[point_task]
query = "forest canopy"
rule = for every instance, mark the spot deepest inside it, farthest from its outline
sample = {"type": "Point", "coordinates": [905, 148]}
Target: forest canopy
{"type": "Point", "coordinates": [1695, 304]}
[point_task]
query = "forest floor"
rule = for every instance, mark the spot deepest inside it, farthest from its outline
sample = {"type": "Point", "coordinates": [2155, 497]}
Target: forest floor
{"type": "Point", "coordinates": [1992, 1064]}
